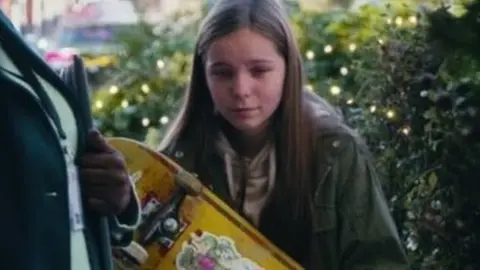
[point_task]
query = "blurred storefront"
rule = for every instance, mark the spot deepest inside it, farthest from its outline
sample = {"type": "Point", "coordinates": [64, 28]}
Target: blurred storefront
{"type": "Point", "coordinates": [5, 6]}
{"type": "Point", "coordinates": [34, 16]}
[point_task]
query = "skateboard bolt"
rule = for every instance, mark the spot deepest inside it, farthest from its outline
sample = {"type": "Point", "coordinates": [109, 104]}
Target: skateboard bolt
{"type": "Point", "coordinates": [170, 225]}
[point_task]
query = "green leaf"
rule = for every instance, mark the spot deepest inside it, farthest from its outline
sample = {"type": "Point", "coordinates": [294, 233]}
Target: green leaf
{"type": "Point", "coordinates": [431, 114]}
{"type": "Point", "coordinates": [432, 181]}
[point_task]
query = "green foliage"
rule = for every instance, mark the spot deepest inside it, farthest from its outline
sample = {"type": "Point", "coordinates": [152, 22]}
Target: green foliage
{"type": "Point", "coordinates": [408, 85]}
{"type": "Point", "coordinates": [151, 79]}
{"type": "Point", "coordinates": [429, 150]}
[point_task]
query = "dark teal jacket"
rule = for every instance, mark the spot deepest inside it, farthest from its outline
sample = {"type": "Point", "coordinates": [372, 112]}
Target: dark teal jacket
{"type": "Point", "coordinates": [351, 226]}
{"type": "Point", "coordinates": [35, 226]}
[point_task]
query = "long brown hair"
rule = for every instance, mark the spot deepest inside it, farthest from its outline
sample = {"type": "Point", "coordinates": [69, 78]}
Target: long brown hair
{"type": "Point", "coordinates": [290, 202]}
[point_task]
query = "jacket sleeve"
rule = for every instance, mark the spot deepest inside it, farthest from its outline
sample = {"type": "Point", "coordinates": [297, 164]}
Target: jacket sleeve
{"type": "Point", "coordinates": [123, 225]}
{"type": "Point", "coordinates": [368, 235]}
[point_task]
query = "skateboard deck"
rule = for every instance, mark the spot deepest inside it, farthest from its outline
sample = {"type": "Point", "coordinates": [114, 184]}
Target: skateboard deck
{"type": "Point", "coordinates": [185, 225]}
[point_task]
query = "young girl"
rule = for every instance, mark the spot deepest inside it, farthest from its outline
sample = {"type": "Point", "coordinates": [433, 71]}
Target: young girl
{"type": "Point", "coordinates": [278, 155]}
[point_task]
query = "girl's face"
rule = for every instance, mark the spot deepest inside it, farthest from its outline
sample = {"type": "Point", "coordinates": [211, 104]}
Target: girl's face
{"type": "Point", "coordinates": [245, 76]}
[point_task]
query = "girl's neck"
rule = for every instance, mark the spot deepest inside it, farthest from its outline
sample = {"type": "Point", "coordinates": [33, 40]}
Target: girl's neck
{"type": "Point", "coordinates": [246, 144]}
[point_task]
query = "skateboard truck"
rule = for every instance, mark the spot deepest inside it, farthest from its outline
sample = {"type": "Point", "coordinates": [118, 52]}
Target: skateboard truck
{"type": "Point", "coordinates": [164, 224]}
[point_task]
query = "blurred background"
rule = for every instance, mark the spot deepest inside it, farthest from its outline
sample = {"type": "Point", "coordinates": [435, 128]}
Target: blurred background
{"type": "Point", "coordinates": [404, 73]}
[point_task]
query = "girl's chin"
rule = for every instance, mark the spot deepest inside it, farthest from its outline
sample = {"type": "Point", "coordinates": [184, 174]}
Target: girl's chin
{"type": "Point", "coordinates": [249, 127]}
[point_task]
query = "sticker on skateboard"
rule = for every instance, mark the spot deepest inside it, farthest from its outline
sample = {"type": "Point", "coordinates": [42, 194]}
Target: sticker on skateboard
{"type": "Point", "coordinates": [206, 251]}
{"type": "Point", "coordinates": [149, 205]}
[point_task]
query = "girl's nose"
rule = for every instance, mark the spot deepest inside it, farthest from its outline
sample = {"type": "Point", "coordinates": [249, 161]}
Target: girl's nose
{"type": "Point", "coordinates": [241, 86]}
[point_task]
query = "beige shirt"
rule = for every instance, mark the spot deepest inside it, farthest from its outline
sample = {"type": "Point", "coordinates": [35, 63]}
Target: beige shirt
{"type": "Point", "coordinates": [79, 254]}
{"type": "Point", "coordinates": [259, 172]}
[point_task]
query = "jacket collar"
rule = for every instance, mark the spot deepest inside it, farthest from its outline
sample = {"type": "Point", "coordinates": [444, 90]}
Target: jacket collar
{"type": "Point", "coordinates": [38, 64]}
{"type": "Point", "coordinates": [181, 153]}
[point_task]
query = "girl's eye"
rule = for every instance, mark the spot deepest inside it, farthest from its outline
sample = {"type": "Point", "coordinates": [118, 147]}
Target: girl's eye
{"type": "Point", "coordinates": [259, 71]}
{"type": "Point", "coordinates": [221, 73]}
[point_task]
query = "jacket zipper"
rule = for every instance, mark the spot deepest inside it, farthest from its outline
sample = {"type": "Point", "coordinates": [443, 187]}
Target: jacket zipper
{"type": "Point", "coordinates": [318, 183]}
{"type": "Point", "coordinates": [327, 171]}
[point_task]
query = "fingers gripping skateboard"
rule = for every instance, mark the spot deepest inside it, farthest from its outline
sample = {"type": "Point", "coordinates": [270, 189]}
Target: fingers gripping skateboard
{"type": "Point", "coordinates": [135, 256]}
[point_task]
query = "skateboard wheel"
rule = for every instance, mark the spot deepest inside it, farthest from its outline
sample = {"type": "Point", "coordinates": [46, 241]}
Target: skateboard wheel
{"type": "Point", "coordinates": [188, 182]}
{"type": "Point", "coordinates": [136, 252]}
{"type": "Point", "coordinates": [171, 225]}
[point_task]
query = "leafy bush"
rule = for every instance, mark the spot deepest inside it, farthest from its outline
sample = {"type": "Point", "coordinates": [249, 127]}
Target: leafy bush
{"type": "Point", "coordinates": [428, 147]}
{"type": "Point", "coordinates": [148, 86]}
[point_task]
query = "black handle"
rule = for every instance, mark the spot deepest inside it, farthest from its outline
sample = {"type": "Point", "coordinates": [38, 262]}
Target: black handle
{"type": "Point", "coordinates": [82, 89]}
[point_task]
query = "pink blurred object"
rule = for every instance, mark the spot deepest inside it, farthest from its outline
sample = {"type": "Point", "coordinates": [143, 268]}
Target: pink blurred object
{"type": "Point", "coordinates": [60, 58]}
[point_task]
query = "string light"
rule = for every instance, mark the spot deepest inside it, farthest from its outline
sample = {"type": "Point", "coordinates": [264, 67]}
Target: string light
{"type": "Point", "coordinates": [124, 103]}
{"type": "Point", "coordinates": [399, 21]}
{"type": "Point", "coordinates": [328, 49]}
{"type": "Point", "coordinates": [406, 130]}
{"type": "Point", "coordinates": [352, 47]}
{"type": "Point", "coordinates": [350, 101]}
{"type": "Point", "coordinates": [160, 64]}
{"type": "Point", "coordinates": [310, 55]}
{"type": "Point", "coordinates": [99, 104]}
{"type": "Point", "coordinates": [373, 108]}
{"type": "Point", "coordinates": [145, 88]}
{"type": "Point", "coordinates": [145, 122]}
{"type": "Point", "coordinates": [335, 90]}
{"type": "Point", "coordinates": [412, 19]}
{"type": "Point", "coordinates": [309, 87]}
{"type": "Point", "coordinates": [113, 89]}
{"type": "Point", "coordinates": [390, 114]}
{"type": "Point", "coordinates": [389, 21]}
{"type": "Point", "coordinates": [164, 120]}
{"type": "Point", "coordinates": [344, 71]}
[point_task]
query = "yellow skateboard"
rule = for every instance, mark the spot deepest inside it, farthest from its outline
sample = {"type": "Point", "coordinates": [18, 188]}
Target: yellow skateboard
{"type": "Point", "coordinates": [184, 225]}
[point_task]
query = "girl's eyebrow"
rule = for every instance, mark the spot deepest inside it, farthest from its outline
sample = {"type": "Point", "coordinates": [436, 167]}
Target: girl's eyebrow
{"type": "Point", "coordinates": [250, 62]}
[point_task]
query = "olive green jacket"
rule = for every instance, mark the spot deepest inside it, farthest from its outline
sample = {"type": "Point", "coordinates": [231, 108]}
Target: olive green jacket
{"type": "Point", "coordinates": [352, 227]}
